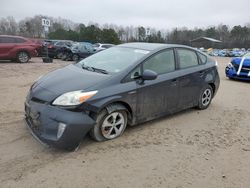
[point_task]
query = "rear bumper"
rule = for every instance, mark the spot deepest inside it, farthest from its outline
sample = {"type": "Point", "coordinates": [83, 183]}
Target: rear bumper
{"type": "Point", "coordinates": [232, 73]}
{"type": "Point", "coordinates": [43, 122]}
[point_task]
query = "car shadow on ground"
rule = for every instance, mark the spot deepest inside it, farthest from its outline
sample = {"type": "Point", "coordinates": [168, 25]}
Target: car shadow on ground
{"type": "Point", "coordinates": [87, 141]}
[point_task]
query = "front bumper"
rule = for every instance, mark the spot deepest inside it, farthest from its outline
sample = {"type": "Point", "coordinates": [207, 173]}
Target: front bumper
{"type": "Point", "coordinates": [43, 121]}
{"type": "Point", "coordinates": [232, 73]}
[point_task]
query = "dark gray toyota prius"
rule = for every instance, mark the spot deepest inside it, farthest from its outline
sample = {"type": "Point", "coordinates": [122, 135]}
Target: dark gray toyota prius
{"type": "Point", "coordinates": [127, 84]}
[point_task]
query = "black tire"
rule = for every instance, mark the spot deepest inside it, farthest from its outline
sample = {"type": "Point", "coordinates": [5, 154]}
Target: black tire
{"type": "Point", "coordinates": [64, 57]}
{"type": "Point", "coordinates": [97, 132]}
{"type": "Point", "coordinates": [23, 57]}
{"type": "Point", "coordinates": [75, 57]}
{"type": "Point", "coordinates": [59, 55]}
{"type": "Point", "coordinates": [205, 98]}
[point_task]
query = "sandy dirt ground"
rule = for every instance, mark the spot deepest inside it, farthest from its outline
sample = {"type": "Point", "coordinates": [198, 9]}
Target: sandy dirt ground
{"type": "Point", "coordinates": [209, 148]}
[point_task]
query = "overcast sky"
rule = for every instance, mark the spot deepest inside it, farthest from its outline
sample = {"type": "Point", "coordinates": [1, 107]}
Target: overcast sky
{"type": "Point", "coordinates": [161, 14]}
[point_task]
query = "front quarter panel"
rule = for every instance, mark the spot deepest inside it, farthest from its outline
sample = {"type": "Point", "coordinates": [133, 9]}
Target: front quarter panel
{"type": "Point", "coordinates": [120, 92]}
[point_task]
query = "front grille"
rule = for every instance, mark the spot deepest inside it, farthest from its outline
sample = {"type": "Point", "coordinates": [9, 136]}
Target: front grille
{"type": "Point", "coordinates": [244, 70]}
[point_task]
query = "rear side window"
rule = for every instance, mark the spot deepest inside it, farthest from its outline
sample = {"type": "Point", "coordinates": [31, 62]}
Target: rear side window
{"type": "Point", "coordinates": [203, 58]}
{"type": "Point", "coordinates": [161, 63]}
{"type": "Point", "coordinates": [18, 40]}
{"type": "Point", "coordinates": [187, 58]}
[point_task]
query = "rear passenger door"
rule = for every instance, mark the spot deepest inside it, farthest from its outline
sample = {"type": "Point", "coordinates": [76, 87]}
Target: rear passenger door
{"type": "Point", "coordinates": [191, 75]}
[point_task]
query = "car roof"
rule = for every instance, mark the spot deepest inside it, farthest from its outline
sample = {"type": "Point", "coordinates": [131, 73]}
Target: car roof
{"type": "Point", "coordinates": [13, 36]}
{"type": "Point", "coordinates": [150, 46]}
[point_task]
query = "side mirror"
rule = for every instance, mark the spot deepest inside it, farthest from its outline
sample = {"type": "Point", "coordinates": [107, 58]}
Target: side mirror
{"type": "Point", "coordinates": [149, 75]}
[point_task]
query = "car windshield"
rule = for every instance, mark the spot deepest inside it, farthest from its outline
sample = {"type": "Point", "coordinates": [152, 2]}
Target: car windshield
{"type": "Point", "coordinates": [247, 55]}
{"type": "Point", "coordinates": [114, 60]}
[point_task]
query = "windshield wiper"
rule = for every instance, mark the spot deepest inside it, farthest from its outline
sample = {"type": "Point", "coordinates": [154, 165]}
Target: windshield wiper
{"type": "Point", "coordinates": [93, 69]}
{"type": "Point", "coordinates": [99, 70]}
{"type": "Point", "coordinates": [87, 68]}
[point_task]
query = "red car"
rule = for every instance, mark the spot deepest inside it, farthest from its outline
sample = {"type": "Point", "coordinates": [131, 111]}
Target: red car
{"type": "Point", "coordinates": [17, 48]}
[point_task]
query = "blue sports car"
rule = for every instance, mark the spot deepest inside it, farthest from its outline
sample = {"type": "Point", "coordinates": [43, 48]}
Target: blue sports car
{"type": "Point", "coordinates": [239, 68]}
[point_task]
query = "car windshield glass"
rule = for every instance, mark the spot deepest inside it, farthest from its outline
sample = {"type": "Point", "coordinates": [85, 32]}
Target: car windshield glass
{"type": "Point", "coordinates": [114, 60]}
{"type": "Point", "coordinates": [247, 55]}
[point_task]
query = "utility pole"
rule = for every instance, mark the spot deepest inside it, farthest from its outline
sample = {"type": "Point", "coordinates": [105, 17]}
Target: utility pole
{"type": "Point", "coordinates": [46, 25]}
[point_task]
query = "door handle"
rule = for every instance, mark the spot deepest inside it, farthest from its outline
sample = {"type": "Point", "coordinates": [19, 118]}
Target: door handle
{"type": "Point", "coordinates": [132, 92]}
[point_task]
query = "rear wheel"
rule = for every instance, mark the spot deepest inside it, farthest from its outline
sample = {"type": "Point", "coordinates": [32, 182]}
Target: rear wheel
{"type": "Point", "coordinates": [205, 97]}
{"type": "Point", "coordinates": [23, 57]}
{"type": "Point", "coordinates": [109, 125]}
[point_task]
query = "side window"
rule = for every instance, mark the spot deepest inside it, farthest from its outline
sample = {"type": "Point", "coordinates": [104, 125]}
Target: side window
{"type": "Point", "coordinates": [161, 63]}
{"type": "Point", "coordinates": [7, 40]}
{"type": "Point", "coordinates": [19, 40]}
{"type": "Point", "coordinates": [187, 58]}
{"type": "Point", "coordinates": [83, 48]}
{"type": "Point", "coordinates": [203, 58]}
{"type": "Point", "coordinates": [134, 74]}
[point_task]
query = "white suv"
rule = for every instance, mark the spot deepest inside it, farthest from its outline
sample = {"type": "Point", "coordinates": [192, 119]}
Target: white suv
{"type": "Point", "coordinates": [100, 47]}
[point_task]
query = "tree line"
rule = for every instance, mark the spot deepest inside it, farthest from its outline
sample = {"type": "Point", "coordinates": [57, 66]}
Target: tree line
{"type": "Point", "coordinates": [31, 27]}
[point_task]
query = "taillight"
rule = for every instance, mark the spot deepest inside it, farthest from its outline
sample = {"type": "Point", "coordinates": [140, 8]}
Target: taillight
{"type": "Point", "coordinates": [50, 46]}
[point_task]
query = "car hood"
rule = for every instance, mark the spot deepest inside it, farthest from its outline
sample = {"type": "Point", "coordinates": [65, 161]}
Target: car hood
{"type": "Point", "coordinates": [236, 61]}
{"type": "Point", "coordinates": [66, 79]}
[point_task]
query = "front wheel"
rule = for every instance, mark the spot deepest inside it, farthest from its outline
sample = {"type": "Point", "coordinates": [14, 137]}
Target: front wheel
{"type": "Point", "coordinates": [205, 97]}
{"type": "Point", "coordinates": [64, 57]}
{"type": "Point", "coordinates": [109, 125]}
{"type": "Point", "coordinates": [75, 57]}
{"type": "Point", "coordinates": [23, 57]}
{"type": "Point", "coordinates": [59, 55]}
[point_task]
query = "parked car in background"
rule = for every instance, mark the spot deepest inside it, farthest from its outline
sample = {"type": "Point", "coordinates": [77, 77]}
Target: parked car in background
{"type": "Point", "coordinates": [56, 47]}
{"type": "Point", "coordinates": [127, 84]}
{"type": "Point", "coordinates": [78, 51]}
{"type": "Point", "coordinates": [99, 46]}
{"type": "Point", "coordinates": [222, 53]}
{"type": "Point", "coordinates": [236, 52]}
{"type": "Point", "coordinates": [239, 68]}
{"type": "Point", "coordinates": [39, 43]}
{"type": "Point", "coordinates": [17, 48]}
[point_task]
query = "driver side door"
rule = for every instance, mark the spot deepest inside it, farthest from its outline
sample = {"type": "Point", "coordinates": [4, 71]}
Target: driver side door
{"type": "Point", "coordinates": [160, 96]}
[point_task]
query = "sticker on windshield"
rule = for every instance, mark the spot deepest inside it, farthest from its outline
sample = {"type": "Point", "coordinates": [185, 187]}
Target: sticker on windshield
{"type": "Point", "coordinates": [141, 51]}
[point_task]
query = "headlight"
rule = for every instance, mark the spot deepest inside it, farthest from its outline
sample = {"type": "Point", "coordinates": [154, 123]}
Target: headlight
{"type": "Point", "coordinates": [230, 65]}
{"type": "Point", "coordinates": [73, 98]}
{"type": "Point", "coordinates": [216, 63]}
